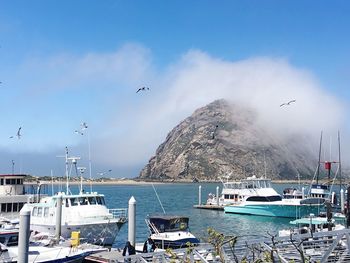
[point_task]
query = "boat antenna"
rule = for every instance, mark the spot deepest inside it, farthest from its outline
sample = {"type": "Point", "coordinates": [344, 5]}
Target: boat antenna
{"type": "Point", "coordinates": [339, 166]}
{"type": "Point", "coordinates": [67, 175]}
{"type": "Point", "coordinates": [158, 198]}
{"type": "Point", "coordinates": [51, 182]}
{"type": "Point", "coordinates": [81, 170]}
{"type": "Point", "coordinates": [319, 160]}
{"type": "Point", "coordinates": [264, 166]}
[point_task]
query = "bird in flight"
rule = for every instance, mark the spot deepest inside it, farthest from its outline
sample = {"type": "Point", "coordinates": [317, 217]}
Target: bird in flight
{"type": "Point", "coordinates": [84, 125]}
{"type": "Point", "coordinates": [18, 134]}
{"type": "Point", "coordinates": [142, 89]}
{"type": "Point", "coordinates": [79, 132]}
{"type": "Point", "coordinates": [287, 103]}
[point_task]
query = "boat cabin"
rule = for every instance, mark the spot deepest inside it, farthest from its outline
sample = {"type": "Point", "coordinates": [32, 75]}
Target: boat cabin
{"type": "Point", "coordinates": [319, 191]}
{"type": "Point", "coordinates": [13, 195]}
{"type": "Point", "coordinates": [167, 223]}
{"type": "Point", "coordinates": [47, 206]}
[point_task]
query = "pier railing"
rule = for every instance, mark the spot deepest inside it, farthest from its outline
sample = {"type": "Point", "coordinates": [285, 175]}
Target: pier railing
{"type": "Point", "coordinates": [328, 246]}
{"type": "Point", "coordinates": [119, 213]}
{"type": "Point", "coordinates": [320, 247]}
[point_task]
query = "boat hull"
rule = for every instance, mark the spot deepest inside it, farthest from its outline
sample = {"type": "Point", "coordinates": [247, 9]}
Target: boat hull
{"type": "Point", "coordinates": [277, 210]}
{"type": "Point", "coordinates": [174, 244]}
{"type": "Point", "coordinates": [96, 233]}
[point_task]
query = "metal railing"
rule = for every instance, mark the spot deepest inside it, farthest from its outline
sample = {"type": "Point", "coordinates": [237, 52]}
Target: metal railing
{"type": "Point", "coordinates": [119, 213]}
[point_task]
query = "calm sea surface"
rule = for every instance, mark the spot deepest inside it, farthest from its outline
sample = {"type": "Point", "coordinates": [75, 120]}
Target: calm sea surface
{"type": "Point", "coordinates": [179, 199]}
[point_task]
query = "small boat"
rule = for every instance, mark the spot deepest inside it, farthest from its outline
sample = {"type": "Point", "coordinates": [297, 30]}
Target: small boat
{"type": "Point", "coordinates": [311, 224]}
{"type": "Point", "coordinates": [323, 191]}
{"type": "Point", "coordinates": [169, 231]}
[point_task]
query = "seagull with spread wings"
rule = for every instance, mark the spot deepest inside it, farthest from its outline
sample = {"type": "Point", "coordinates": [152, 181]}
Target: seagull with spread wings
{"type": "Point", "coordinates": [142, 89]}
{"type": "Point", "coordinates": [18, 134]}
{"type": "Point", "coordinates": [287, 103]}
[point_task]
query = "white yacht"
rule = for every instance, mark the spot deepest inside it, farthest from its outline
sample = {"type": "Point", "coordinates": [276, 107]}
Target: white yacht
{"type": "Point", "coordinates": [255, 196]}
{"type": "Point", "coordinates": [234, 192]}
{"type": "Point", "coordinates": [85, 212]}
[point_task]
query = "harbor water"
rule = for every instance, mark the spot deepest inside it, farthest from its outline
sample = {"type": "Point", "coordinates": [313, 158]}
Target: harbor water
{"type": "Point", "coordinates": [179, 199]}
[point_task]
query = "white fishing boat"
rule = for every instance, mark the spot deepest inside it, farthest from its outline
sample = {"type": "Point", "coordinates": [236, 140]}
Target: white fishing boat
{"type": "Point", "coordinates": [324, 191]}
{"type": "Point", "coordinates": [85, 212]}
{"type": "Point", "coordinates": [255, 196]}
{"type": "Point", "coordinates": [170, 231]}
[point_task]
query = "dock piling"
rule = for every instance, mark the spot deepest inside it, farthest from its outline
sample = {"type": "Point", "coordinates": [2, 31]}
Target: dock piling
{"type": "Point", "coordinates": [132, 221]}
{"type": "Point", "coordinates": [200, 195]}
{"type": "Point", "coordinates": [58, 218]}
{"type": "Point", "coordinates": [217, 196]}
{"type": "Point", "coordinates": [342, 199]}
{"type": "Point", "coordinates": [23, 239]}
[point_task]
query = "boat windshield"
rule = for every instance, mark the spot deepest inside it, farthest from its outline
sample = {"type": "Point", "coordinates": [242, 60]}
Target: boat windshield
{"type": "Point", "coordinates": [272, 198]}
{"type": "Point", "coordinates": [91, 200]}
{"type": "Point", "coordinates": [255, 184]}
{"type": "Point", "coordinates": [170, 224]}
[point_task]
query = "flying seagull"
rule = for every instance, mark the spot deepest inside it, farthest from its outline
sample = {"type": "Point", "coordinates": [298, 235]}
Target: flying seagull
{"type": "Point", "coordinates": [18, 134]}
{"type": "Point", "coordinates": [142, 89]}
{"type": "Point", "coordinates": [287, 103]}
{"type": "Point", "coordinates": [84, 125]}
{"type": "Point", "coordinates": [79, 132]}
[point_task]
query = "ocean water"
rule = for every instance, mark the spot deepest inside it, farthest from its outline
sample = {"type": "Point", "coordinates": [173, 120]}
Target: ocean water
{"type": "Point", "coordinates": [179, 199]}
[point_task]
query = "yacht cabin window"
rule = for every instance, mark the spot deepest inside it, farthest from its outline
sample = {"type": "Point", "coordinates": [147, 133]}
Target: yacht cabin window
{"type": "Point", "coordinates": [40, 211]}
{"type": "Point", "coordinates": [100, 200]}
{"type": "Point", "coordinates": [74, 201]}
{"type": "Point", "coordinates": [2, 182]}
{"type": "Point", "coordinates": [92, 200]}
{"type": "Point", "coordinates": [46, 212]}
{"type": "Point", "coordinates": [35, 211]}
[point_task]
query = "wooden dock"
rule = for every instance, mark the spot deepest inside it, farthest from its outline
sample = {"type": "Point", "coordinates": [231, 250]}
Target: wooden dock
{"type": "Point", "coordinates": [106, 256]}
{"type": "Point", "coordinates": [210, 207]}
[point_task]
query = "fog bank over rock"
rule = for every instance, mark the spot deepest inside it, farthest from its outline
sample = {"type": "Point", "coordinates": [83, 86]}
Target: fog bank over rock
{"type": "Point", "coordinates": [223, 138]}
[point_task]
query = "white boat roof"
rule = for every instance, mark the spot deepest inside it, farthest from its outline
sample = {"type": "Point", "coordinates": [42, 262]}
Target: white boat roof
{"type": "Point", "coordinates": [85, 194]}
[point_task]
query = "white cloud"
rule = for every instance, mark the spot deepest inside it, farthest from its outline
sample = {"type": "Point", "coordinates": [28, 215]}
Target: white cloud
{"type": "Point", "coordinates": [198, 79]}
{"type": "Point", "coordinates": [127, 128]}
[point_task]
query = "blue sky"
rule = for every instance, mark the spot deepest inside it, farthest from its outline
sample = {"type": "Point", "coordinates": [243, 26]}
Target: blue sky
{"type": "Point", "coordinates": [64, 62]}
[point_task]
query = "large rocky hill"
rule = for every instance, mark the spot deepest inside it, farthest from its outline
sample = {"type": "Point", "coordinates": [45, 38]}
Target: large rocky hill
{"type": "Point", "coordinates": [221, 138]}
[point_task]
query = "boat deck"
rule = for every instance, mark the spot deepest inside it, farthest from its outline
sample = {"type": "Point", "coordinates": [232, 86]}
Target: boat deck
{"type": "Point", "coordinates": [210, 207]}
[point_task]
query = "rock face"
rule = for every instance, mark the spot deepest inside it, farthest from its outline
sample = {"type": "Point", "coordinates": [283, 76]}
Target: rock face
{"type": "Point", "coordinates": [221, 139]}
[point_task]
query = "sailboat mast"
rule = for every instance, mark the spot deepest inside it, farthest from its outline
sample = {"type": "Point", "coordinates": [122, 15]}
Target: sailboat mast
{"type": "Point", "coordinates": [319, 160]}
{"type": "Point", "coordinates": [340, 179]}
{"type": "Point", "coordinates": [67, 176]}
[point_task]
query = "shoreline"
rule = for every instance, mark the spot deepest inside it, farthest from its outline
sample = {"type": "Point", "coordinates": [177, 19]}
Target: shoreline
{"type": "Point", "coordinates": [138, 182]}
